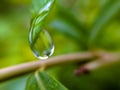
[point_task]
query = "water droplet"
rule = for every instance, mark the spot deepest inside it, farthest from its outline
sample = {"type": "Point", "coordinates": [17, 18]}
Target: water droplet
{"type": "Point", "coordinates": [40, 42]}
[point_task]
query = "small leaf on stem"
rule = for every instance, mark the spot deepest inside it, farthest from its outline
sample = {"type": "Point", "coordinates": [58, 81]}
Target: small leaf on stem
{"type": "Point", "coordinates": [42, 81]}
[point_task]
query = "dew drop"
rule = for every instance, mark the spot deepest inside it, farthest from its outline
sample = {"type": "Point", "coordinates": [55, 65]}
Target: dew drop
{"type": "Point", "coordinates": [40, 42]}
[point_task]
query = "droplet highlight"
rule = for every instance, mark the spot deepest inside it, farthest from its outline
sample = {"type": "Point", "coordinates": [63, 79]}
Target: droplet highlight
{"type": "Point", "coordinates": [40, 42]}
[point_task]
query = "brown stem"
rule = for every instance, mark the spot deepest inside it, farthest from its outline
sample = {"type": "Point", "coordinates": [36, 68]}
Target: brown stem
{"type": "Point", "coordinates": [106, 58]}
{"type": "Point", "coordinates": [21, 69]}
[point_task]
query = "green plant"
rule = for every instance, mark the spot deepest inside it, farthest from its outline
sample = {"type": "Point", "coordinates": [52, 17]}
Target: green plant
{"type": "Point", "coordinates": [96, 37]}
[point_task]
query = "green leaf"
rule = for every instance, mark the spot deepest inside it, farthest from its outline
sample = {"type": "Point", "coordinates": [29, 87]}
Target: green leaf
{"type": "Point", "coordinates": [14, 84]}
{"type": "Point", "coordinates": [107, 13]}
{"type": "Point", "coordinates": [66, 28]}
{"type": "Point", "coordinates": [39, 6]}
{"type": "Point", "coordinates": [42, 81]}
{"type": "Point", "coordinates": [70, 17]}
{"type": "Point", "coordinates": [40, 10]}
{"type": "Point", "coordinates": [69, 30]}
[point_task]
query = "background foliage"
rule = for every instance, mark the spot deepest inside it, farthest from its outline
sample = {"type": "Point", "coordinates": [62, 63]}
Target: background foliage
{"type": "Point", "coordinates": [75, 25]}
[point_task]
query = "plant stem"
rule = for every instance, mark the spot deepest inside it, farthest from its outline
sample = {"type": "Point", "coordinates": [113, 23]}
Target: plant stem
{"type": "Point", "coordinates": [13, 71]}
{"type": "Point", "coordinates": [105, 59]}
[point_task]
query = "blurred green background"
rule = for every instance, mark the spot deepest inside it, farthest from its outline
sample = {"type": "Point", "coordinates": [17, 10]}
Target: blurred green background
{"type": "Point", "coordinates": [70, 24]}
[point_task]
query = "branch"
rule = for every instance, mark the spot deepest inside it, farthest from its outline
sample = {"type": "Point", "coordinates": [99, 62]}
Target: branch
{"type": "Point", "coordinates": [105, 59]}
{"type": "Point", "coordinates": [13, 71]}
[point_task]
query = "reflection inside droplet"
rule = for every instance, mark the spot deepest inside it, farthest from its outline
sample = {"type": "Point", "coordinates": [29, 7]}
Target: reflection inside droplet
{"type": "Point", "coordinates": [41, 43]}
